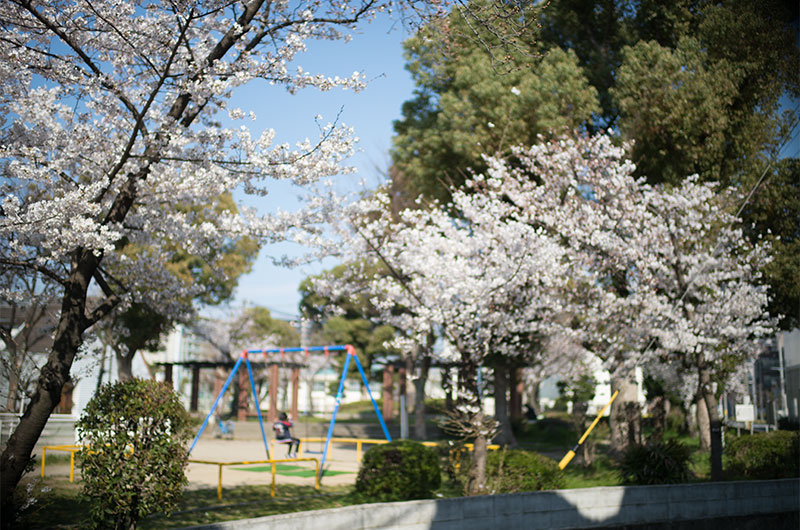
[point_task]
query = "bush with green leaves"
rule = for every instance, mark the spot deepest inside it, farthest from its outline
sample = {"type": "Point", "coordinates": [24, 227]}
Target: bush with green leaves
{"type": "Point", "coordinates": [399, 471]}
{"type": "Point", "coordinates": [657, 462]}
{"type": "Point", "coordinates": [134, 458]}
{"type": "Point", "coordinates": [511, 471]}
{"type": "Point", "coordinates": [767, 455]}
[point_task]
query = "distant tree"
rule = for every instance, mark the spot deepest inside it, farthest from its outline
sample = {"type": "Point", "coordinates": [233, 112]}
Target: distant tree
{"type": "Point", "coordinates": [773, 215]}
{"type": "Point", "coordinates": [467, 103]}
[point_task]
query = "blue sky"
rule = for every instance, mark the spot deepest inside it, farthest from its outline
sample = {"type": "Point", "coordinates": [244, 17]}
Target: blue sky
{"type": "Point", "coordinates": [377, 52]}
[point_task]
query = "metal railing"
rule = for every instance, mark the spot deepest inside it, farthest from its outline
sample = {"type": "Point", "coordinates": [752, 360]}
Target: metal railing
{"type": "Point", "coordinates": [71, 449]}
{"type": "Point", "coordinates": [273, 461]}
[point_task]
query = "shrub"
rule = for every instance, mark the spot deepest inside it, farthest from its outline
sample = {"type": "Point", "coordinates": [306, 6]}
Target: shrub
{"type": "Point", "coordinates": [661, 462]}
{"type": "Point", "coordinates": [763, 456]}
{"type": "Point", "coordinates": [399, 471]}
{"type": "Point", "coordinates": [135, 434]}
{"type": "Point", "coordinates": [510, 471]}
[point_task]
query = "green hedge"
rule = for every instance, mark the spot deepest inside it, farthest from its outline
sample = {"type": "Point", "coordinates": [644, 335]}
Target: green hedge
{"type": "Point", "coordinates": [135, 435]}
{"type": "Point", "coordinates": [399, 471]}
{"type": "Point", "coordinates": [763, 455]}
{"type": "Point", "coordinates": [661, 462]}
{"type": "Point", "coordinates": [511, 471]}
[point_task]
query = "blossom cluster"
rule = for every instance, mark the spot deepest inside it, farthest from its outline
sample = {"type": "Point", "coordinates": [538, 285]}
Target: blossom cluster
{"type": "Point", "coordinates": [561, 252]}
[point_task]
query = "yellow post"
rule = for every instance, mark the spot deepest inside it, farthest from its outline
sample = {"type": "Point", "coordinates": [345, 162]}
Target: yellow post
{"type": "Point", "coordinates": [316, 474]}
{"type": "Point", "coordinates": [272, 491]}
{"type": "Point", "coordinates": [44, 453]}
{"type": "Point", "coordinates": [358, 451]}
{"type": "Point", "coordinates": [71, 465]}
{"type": "Point", "coordinates": [571, 453]}
{"type": "Point", "coordinates": [219, 483]}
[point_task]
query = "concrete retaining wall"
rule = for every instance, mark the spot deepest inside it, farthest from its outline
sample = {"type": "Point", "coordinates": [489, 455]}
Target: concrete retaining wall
{"type": "Point", "coordinates": [623, 506]}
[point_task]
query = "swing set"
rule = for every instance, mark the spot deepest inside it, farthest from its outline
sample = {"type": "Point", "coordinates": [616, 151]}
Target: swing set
{"type": "Point", "coordinates": [245, 357]}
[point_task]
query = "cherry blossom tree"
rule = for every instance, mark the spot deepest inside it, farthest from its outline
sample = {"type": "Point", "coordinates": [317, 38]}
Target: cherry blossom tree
{"type": "Point", "coordinates": [473, 273]}
{"type": "Point", "coordinates": [716, 311]}
{"type": "Point", "coordinates": [114, 154]}
{"type": "Point", "coordinates": [667, 274]}
{"type": "Point", "coordinates": [563, 243]}
{"type": "Point", "coordinates": [582, 191]}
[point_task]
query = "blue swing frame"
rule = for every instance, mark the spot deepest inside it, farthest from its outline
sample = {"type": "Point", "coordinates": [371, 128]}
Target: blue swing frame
{"type": "Point", "coordinates": [351, 355]}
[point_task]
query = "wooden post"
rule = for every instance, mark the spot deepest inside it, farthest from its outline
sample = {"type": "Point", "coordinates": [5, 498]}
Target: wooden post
{"type": "Point", "coordinates": [295, 386]}
{"type": "Point", "coordinates": [272, 414]}
{"type": "Point", "coordinates": [195, 388]}
{"type": "Point", "coordinates": [244, 395]}
{"type": "Point", "coordinates": [388, 390]}
{"type": "Point", "coordinates": [168, 374]}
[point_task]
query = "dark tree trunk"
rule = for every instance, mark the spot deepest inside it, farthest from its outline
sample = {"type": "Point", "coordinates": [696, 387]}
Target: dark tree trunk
{"type": "Point", "coordinates": [659, 417]}
{"type": "Point", "coordinates": [505, 434]}
{"type": "Point", "coordinates": [447, 386]}
{"type": "Point", "coordinates": [53, 375]}
{"type": "Point", "coordinates": [715, 422]}
{"type": "Point", "coordinates": [475, 426]}
{"type": "Point", "coordinates": [516, 388]}
{"type": "Point", "coordinates": [420, 431]}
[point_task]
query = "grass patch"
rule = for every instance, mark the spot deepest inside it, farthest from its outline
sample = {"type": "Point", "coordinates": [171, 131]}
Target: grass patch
{"type": "Point", "coordinates": [290, 470]}
{"type": "Point", "coordinates": [60, 505]}
{"type": "Point", "coordinates": [602, 472]}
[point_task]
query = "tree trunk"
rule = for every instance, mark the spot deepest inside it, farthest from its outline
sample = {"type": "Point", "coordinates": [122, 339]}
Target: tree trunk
{"type": "Point", "coordinates": [447, 386]}
{"type": "Point", "coordinates": [715, 423]}
{"type": "Point", "coordinates": [659, 417]}
{"type": "Point", "coordinates": [703, 424]}
{"type": "Point", "coordinates": [533, 397]}
{"type": "Point", "coordinates": [516, 388]}
{"type": "Point", "coordinates": [506, 434]}
{"type": "Point", "coordinates": [420, 431]}
{"type": "Point", "coordinates": [125, 365]}
{"type": "Point", "coordinates": [11, 402]}
{"type": "Point", "coordinates": [52, 377]}
{"type": "Point", "coordinates": [625, 418]}
{"type": "Point", "coordinates": [477, 475]}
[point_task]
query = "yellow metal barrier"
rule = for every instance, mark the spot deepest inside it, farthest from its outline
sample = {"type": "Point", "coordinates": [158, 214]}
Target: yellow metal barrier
{"type": "Point", "coordinates": [358, 441]}
{"type": "Point", "coordinates": [248, 462]}
{"type": "Point", "coordinates": [71, 449]}
{"type": "Point", "coordinates": [571, 453]}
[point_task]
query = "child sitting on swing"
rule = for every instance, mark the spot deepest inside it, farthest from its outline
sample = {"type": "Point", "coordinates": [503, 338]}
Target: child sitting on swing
{"type": "Point", "coordinates": [283, 434]}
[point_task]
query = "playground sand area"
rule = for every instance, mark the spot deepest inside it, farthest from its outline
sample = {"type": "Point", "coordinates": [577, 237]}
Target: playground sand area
{"type": "Point", "coordinates": [341, 465]}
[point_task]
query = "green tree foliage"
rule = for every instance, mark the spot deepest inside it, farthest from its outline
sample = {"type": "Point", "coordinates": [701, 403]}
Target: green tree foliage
{"type": "Point", "coordinates": [774, 213]}
{"type": "Point", "coordinates": [466, 104]}
{"type": "Point", "coordinates": [350, 320]}
{"type": "Point", "coordinates": [139, 326]}
{"type": "Point", "coordinates": [261, 324]}
{"type": "Point", "coordinates": [135, 434]}
{"type": "Point", "coordinates": [701, 87]}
